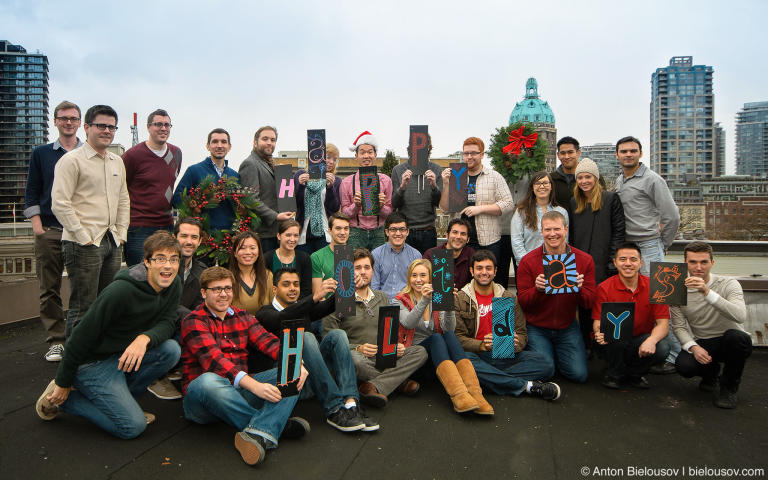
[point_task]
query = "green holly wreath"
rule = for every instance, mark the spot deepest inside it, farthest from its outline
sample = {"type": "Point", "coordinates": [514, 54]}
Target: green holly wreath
{"type": "Point", "coordinates": [516, 151]}
{"type": "Point", "coordinates": [198, 201]}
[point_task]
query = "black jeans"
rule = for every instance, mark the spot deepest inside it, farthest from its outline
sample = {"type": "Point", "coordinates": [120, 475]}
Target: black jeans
{"type": "Point", "coordinates": [732, 349]}
{"type": "Point", "coordinates": [422, 240]}
{"type": "Point", "coordinates": [623, 359]}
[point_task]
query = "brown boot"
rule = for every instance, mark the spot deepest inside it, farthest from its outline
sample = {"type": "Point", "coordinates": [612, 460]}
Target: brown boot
{"type": "Point", "coordinates": [468, 375]}
{"type": "Point", "coordinates": [449, 377]}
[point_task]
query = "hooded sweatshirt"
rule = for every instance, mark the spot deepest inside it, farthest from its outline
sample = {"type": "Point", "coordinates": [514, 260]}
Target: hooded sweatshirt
{"type": "Point", "coordinates": [125, 309]}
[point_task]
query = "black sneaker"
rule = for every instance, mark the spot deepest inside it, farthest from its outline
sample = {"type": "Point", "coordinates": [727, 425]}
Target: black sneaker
{"type": "Point", "coordinates": [665, 368]}
{"type": "Point", "coordinates": [252, 447]}
{"type": "Point", "coordinates": [346, 420]}
{"type": "Point", "coordinates": [295, 427]}
{"type": "Point", "coordinates": [546, 390]}
{"type": "Point", "coordinates": [370, 424]}
{"type": "Point", "coordinates": [638, 381]}
{"type": "Point", "coordinates": [611, 382]}
{"type": "Point", "coordinates": [726, 399]}
{"type": "Point", "coordinates": [709, 384]}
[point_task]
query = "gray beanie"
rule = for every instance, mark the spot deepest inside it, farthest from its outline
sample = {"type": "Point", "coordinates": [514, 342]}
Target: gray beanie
{"type": "Point", "coordinates": [586, 165]}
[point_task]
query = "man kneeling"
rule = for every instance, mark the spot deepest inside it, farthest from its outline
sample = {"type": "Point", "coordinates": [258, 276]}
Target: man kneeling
{"type": "Point", "coordinates": [121, 345]}
{"type": "Point", "coordinates": [216, 386]}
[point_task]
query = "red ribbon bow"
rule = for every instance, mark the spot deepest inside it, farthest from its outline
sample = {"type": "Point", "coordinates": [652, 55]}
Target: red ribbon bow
{"type": "Point", "coordinates": [518, 140]}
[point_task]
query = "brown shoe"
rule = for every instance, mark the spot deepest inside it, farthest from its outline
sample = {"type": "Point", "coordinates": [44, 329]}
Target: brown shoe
{"type": "Point", "coordinates": [409, 387]}
{"type": "Point", "coordinates": [150, 418]}
{"type": "Point", "coordinates": [44, 408]}
{"type": "Point", "coordinates": [370, 396]}
{"type": "Point", "coordinates": [252, 448]}
{"type": "Point", "coordinates": [455, 388]}
{"type": "Point", "coordinates": [468, 375]}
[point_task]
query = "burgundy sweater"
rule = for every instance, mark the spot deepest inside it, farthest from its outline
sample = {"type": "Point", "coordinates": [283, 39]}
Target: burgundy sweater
{"type": "Point", "coordinates": [553, 311]}
{"type": "Point", "coordinates": [150, 182]}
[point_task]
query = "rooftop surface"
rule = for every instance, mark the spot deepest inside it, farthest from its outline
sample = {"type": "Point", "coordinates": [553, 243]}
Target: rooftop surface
{"type": "Point", "coordinates": [673, 425]}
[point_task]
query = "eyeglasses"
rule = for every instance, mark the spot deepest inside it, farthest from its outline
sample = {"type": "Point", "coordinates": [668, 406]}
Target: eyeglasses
{"type": "Point", "coordinates": [471, 154]}
{"type": "Point", "coordinates": [68, 119]}
{"type": "Point", "coordinates": [164, 260]}
{"type": "Point", "coordinates": [161, 124]}
{"type": "Point", "coordinates": [220, 290]}
{"type": "Point", "coordinates": [544, 183]}
{"type": "Point", "coordinates": [104, 126]}
{"type": "Point", "coordinates": [398, 230]}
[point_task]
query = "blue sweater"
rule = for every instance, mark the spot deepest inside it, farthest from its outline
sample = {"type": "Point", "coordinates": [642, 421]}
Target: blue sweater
{"type": "Point", "coordinates": [37, 196]}
{"type": "Point", "coordinates": [222, 216]}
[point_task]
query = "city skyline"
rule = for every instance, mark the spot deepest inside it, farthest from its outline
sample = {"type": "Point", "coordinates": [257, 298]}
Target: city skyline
{"type": "Point", "coordinates": [383, 68]}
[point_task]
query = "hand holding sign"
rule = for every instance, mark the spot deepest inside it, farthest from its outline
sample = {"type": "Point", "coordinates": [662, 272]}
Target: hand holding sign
{"type": "Point", "coordinates": [344, 275]}
{"type": "Point", "coordinates": [442, 279]}
{"type": "Point", "coordinates": [289, 367]}
{"type": "Point", "coordinates": [386, 341]}
{"type": "Point", "coordinates": [369, 190]}
{"type": "Point", "coordinates": [560, 274]}
{"type": "Point", "coordinates": [418, 145]}
{"type": "Point", "coordinates": [617, 321]}
{"type": "Point", "coordinates": [316, 154]}
{"type": "Point", "coordinates": [457, 187]}
{"type": "Point", "coordinates": [668, 283]}
{"type": "Point", "coordinates": [286, 188]}
{"type": "Point", "coordinates": [503, 314]}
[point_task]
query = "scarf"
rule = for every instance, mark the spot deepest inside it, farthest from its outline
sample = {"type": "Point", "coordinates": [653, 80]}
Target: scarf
{"type": "Point", "coordinates": [314, 206]}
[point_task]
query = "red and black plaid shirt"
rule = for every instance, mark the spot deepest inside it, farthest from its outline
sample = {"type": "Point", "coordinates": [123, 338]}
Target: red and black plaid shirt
{"type": "Point", "coordinates": [211, 344]}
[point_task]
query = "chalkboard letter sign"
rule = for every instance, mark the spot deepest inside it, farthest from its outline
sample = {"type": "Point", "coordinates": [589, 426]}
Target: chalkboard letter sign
{"type": "Point", "coordinates": [503, 314]}
{"type": "Point", "coordinates": [369, 190]}
{"type": "Point", "coordinates": [457, 193]}
{"type": "Point", "coordinates": [316, 154]}
{"type": "Point", "coordinates": [560, 272]}
{"type": "Point", "coordinates": [419, 145]}
{"type": "Point", "coordinates": [617, 320]}
{"type": "Point", "coordinates": [289, 360]}
{"type": "Point", "coordinates": [668, 283]}
{"type": "Point", "coordinates": [286, 188]}
{"type": "Point", "coordinates": [442, 279]}
{"type": "Point", "coordinates": [344, 274]}
{"type": "Point", "coordinates": [386, 342]}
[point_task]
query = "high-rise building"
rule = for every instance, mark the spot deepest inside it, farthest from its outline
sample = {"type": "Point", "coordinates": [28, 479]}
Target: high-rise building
{"type": "Point", "coordinates": [752, 140]}
{"type": "Point", "coordinates": [604, 155]}
{"type": "Point", "coordinates": [537, 112]}
{"type": "Point", "coordinates": [719, 150]}
{"type": "Point", "coordinates": [23, 121]}
{"type": "Point", "coordinates": [683, 120]}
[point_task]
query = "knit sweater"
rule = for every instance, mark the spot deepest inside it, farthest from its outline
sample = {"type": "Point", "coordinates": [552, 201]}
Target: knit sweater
{"type": "Point", "coordinates": [150, 182]}
{"type": "Point", "coordinates": [709, 316]}
{"type": "Point", "coordinates": [125, 309]}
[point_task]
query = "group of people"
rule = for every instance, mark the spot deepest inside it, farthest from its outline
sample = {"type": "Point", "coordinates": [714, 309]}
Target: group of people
{"type": "Point", "coordinates": [169, 316]}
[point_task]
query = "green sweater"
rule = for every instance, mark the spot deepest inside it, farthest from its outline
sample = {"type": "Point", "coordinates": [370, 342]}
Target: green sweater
{"type": "Point", "coordinates": [126, 308]}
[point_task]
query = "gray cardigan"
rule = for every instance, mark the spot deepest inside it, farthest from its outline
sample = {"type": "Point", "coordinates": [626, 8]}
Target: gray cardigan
{"type": "Point", "coordinates": [414, 319]}
{"type": "Point", "coordinates": [257, 174]}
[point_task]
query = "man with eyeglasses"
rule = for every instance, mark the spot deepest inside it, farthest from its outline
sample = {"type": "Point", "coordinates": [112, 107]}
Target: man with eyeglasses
{"type": "Point", "coordinates": [392, 259]}
{"type": "Point", "coordinates": [90, 199]}
{"type": "Point", "coordinates": [362, 331]}
{"type": "Point", "coordinates": [417, 198]}
{"type": "Point", "coordinates": [45, 226]}
{"type": "Point", "coordinates": [151, 168]}
{"type": "Point", "coordinates": [488, 198]}
{"type": "Point", "coordinates": [122, 344]}
{"type": "Point", "coordinates": [217, 339]}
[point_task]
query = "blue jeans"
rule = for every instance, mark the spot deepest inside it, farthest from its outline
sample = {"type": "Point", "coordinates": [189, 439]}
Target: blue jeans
{"type": "Point", "coordinates": [442, 347]}
{"type": "Point", "coordinates": [422, 240]}
{"type": "Point", "coordinates": [623, 359]}
{"type": "Point", "coordinates": [562, 348]}
{"type": "Point", "coordinates": [313, 244]}
{"type": "Point", "coordinates": [211, 398]}
{"type": "Point", "coordinates": [90, 268]}
{"type": "Point", "coordinates": [330, 355]}
{"type": "Point", "coordinates": [107, 396]}
{"type": "Point", "coordinates": [509, 376]}
{"type": "Point", "coordinates": [369, 239]}
{"type": "Point", "coordinates": [134, 246]}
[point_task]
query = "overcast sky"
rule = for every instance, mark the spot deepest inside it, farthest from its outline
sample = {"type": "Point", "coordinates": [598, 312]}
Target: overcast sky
{"type": "Point", "coordinates": [458, 67]}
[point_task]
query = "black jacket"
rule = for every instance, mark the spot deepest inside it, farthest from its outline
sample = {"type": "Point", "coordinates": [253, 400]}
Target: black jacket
{"type": "Point", "coordinates": [303, 267]}
{"type": "Point", "coordinates": [563, 190]}
{"type": "Point", "coordinates": [599, 233]}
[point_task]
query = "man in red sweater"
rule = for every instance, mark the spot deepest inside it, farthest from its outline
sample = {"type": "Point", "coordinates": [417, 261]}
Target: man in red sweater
{"type": "Point", "coordinates": [151, 169]}
{"type": "Point", "coordinates": [551, 319]}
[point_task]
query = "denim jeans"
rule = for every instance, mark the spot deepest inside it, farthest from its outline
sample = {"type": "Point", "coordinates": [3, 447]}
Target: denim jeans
{"type": "Point", "coordinates": [107, 396]}
{"type": "Point", "coordinates": [443, 346]}
{"type": "Point", "coordinates": [732, 349]}
{"type": "Point", "coordinates": [134, 246]}
{"type": "Point", "coordinates": [312, 245]}
{"type": "Point", "coordinates": [422, 240]}
{"type": "Point", "coordinates": [623, 359]}
{"type": "Point", "coordinates": [90, 268]}
{"type": "Point", "coordinates": [508, 376]}
{"type": "Point", "coordinates": [369, 239]}
{"type": "Point", "coordinates": [332, 354]}
{"type": "Point", "coordinates": [211, 398]}
{"type": "Point", "coordinates": [562, 348]}
{"type": "Point", "coordinates": [50, 266]}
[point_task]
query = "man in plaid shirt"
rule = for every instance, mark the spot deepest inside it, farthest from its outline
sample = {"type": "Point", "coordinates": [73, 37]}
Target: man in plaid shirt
{"type": "Point", "coordinates": [215, 382]}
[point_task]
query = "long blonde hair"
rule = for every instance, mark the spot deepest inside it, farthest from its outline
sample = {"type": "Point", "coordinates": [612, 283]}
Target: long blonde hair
{"type": "Point", "coordinates": [595, 199]}
{"type": "Point", "coordinates": [419, 261]}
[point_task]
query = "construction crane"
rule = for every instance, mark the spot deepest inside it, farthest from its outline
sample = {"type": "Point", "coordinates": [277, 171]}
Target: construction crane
{"type": "Point", "coordinates": [134, 131]}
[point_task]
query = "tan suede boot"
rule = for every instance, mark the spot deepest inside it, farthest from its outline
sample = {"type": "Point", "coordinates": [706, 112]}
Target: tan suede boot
{"type": "Point", "coordinates": [454, 386]}
{"type": "Point", "coordinates": [468, 375]}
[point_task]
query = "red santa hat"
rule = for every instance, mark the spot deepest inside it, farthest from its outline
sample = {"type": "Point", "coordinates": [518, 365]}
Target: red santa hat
{"type": "Point", "coordinates": [365, 138]}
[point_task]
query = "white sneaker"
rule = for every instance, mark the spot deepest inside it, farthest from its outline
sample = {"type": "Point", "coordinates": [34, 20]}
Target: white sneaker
{"type": "Point", "coordinates": [164, 389]}
{"type": "Point", "coordinates": [55, 353]}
